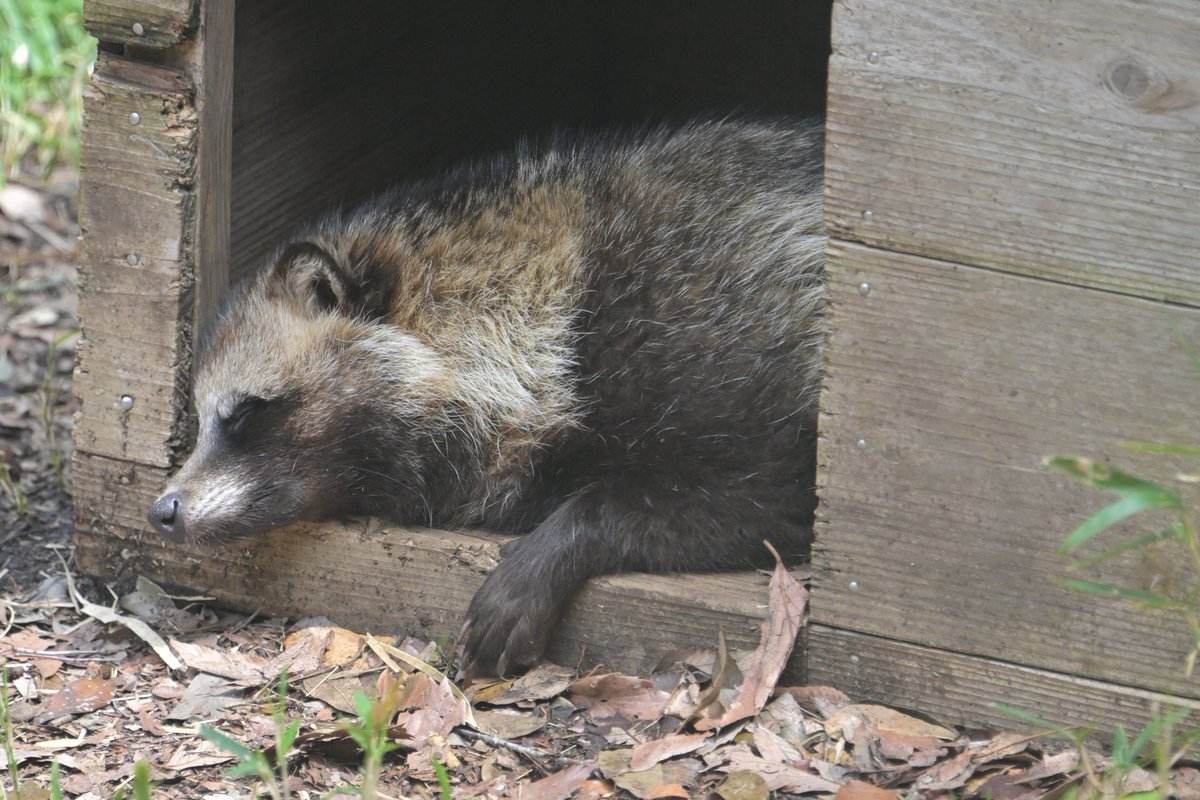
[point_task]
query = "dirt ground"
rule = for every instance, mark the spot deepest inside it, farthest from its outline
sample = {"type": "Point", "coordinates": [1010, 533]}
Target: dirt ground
{"type": "Point", "coordinates": [97, 683]}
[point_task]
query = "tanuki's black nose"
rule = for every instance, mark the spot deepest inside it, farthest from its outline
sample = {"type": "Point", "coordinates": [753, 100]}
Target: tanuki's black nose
{"type": "Point", "coordinates": [167, 517]}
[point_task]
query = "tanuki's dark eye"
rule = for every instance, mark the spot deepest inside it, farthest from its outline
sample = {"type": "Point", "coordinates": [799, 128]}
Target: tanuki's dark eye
{"type": "Point", "coordinates": [241, 419]}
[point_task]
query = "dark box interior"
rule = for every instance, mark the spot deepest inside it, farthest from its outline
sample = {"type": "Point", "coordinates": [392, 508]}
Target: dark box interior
{"type": "Point", "coordinates": [335, 100]}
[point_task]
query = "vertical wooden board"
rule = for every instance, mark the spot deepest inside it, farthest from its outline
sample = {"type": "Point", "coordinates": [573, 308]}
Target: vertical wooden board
{"type": "Point", "coordinates": [404, 90]}
{"type": "Point", "coordinates": [962, 690]}
{"type": "Point", "coordinates": [945, 386]}
{"type": "Point", "coordinates": [147, 23]}
{"type": "Point", "coordinates": [370, 576]}
{"type": "Point", "coordinates": [136, 210]}
{"type": "Point", "coordinates": [1051, 139]}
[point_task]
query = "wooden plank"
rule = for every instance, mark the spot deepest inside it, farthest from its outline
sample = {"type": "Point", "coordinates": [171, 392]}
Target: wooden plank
{"type": "Point", "coordinates": [208, 59]}
{"type": "Point", "coordinates": [960, 690]}
{"type": "Point", "coordinates": [136, 208]}
{"type": "Point", "coordinates": [369, 576]}
{"type": "Point", "coordinates": [404, 90]}
{"type": "Point", "coordinates": [945, 386]}
{"type": "Point", "coordinates": [1050, 139]}
{"type": "Point", "coordinates": [146, 23]}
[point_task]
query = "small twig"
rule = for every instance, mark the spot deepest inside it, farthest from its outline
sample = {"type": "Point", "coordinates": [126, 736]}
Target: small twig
{"type": "Point", "coordinates": [108, 616]}
{"type": "Point", "coordinates": [535, 754]}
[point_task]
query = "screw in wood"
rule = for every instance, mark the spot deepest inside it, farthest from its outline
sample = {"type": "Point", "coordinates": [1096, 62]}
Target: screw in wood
{"type": "Point", "coordinates": [126, 401]}
{"type": "Point", "coordinates": [131, 259]}
{"type": "Point", "coordinates": [853, 586]}
{"type": "Point", "coordinates": [864, 288]}
{"type": "Point", "coordinates": [862, 444]}
{"type": "Point", "coordinates": [138, 30]}
{"type": "Point", "coordinates": [873, 57]}
{"type": "Point", "coordinates": [135, 118]}
{"type": "Point", "coordinates": [868, 215]}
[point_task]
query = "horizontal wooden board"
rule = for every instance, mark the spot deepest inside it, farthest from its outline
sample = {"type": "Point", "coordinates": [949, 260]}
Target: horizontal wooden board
{"type": "Point", "coordinates": [368, 576]}
{"type": "Point", "coordinates": [945, 386]}
{"type": "Point", "coordinates": [1059, 140]}
{"type": "Point", "coordinates": [136, 211]}
{"type": "Point", "coordinates": [149, 23]}
{"type": "Point", "coordinates": [960, 690]}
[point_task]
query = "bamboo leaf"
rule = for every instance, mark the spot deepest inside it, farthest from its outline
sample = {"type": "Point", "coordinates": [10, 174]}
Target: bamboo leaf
{"type": "Point", "coordinates": [1112, 480]}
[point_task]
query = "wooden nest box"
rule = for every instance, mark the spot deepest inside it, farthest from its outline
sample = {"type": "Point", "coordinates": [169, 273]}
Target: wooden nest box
{"type": "Point", "coordinates": [1011, 195]}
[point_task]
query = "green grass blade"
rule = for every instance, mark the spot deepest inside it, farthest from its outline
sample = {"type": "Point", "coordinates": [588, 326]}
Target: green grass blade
{"type": "Point", "coordinates": [231, 746]}
{"type": "Point", "coordinates": [1109, 479]}
{"type": "Point", "coordinates": [1176, 531]}
{"type": "Point", "coordinates": [447, 792]}
{"type": "Point", "coordinates": [1162, 449]}
{"type": "Point", "coordinates": [141, 781]}
{"type": "Point", "coordinates": [1110, 515]}
{"type": "Point", "coordinates": [1144, 598]}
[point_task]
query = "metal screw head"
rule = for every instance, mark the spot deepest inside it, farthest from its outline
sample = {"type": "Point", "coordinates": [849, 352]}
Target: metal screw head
{"type": "Point", "coordinates": [873, 57]}
{"type": "Point", "coordinates": [864, 288]}
{"type": "Point", "coordinates": [862, 444]}
{"type": "Point", "coordinates": [138, 30]}
{"type": "Point", "coordinates": [135, 118]}
{"type": "Point", "coordinates": [854, 659]}
{"type": "Point", "coordinates": [131, 259]}
{"type": "Point", "coordinates": [868, 215]}
{"type": "Point", "coordinates": [853, 586]}
{"type": "Point", "coordinates": [126, 401]}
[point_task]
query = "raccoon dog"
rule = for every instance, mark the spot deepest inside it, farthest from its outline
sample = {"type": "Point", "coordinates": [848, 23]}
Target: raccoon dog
{"type": "Point", "coordinates": [611, 345]}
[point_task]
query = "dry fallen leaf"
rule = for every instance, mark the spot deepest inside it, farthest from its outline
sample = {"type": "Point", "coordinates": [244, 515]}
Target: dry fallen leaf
{"type": "Point", "coordinates": [540, 683]}
{"type": "Point", "coordinates": [649, 753]}
{"type": "Point", "coordinates": [787, 600]}
{"type": "Point", "coordinates": [508, 723]}
{"type": "Point", "coordinates": [779, 777]}
{"type": "Point", "coordinates": [245, 669]}
{"type": "Point", "coordinates": [743, 785]}
{"type": "Point", "coordinates": [78, 697]}
{"type": "Point", "coordinates": [560, 785]}
{"type": "Point", "coordinates": [611, 695]}
{"type": "Point", "coordinates": [843, 722]}
{"type": "Point", "coordinates": [861, 790]}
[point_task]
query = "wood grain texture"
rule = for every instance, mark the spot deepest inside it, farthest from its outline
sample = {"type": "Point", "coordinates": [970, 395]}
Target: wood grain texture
{"type": "Point", "coordinates": [136, 212]}
{"type": "Point", "coordinates": [1059, 140]}
{"type": "Point", "coordinates": [208, 59]}
{"type": "Point", "coordinates": [960, 690]}
{"type": "Point", "coordinates": [404, 89]}
{"type": "Point", "coordinates": [945, 386]}
{"type": "Point", "coordinates": [370, 577]}
{"type": "Point", "coordinates": [162, 23]}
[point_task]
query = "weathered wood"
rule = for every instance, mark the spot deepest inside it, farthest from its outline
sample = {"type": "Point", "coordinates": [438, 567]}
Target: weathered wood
{"type": "Point", "coordinates": [393, 99]}
{"type": "Point", "coordinates": [136, 211]}
{"type": "Point", "coordinates": [960, 690]}
{"type": "Point", "coordinates": [1059, 140]}
{"type": "Point", "coordinates": [372, 577]}
{"type": "Point", "coordinates": [945, 386]}
{"type": "Point", "coordinates": [147, 23]}
{"type": "Point", "coordinates": [208, 60]}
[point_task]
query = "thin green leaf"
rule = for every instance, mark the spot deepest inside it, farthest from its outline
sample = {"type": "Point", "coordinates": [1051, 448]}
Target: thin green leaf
{"type": "Point", "coordinates": [56, 792]}
{"type": "Point", "coordinates": [364, 706]}
{"type": "Point", "coordinates": [1163, 449]}
{"type": "Point", "coordinates": [1105, 477]}
{"type": "Point", "coordinates": [141, 781]}
{"type": "Point", "coordinates": [1120, 745]}
{"type": "Point", "coordinates": [251, 766]}
{"type": "Point", "coordinates": [1031, 719]}
{"type": "Point", "coordinates": [1110, 515]}
{"type": "Point", "coordinates": [1176, 531]}
{"type": "Point", "coordinates": [288, 737]}
{"type": "Point", "coordinates": [447, 792]}
{"type": "Point", "coordinates": [231, 746]}
{"type": "Point", "coordinates": [1147, 599]}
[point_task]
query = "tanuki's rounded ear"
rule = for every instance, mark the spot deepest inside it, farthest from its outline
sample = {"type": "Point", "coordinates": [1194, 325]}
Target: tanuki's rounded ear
{"type": "Point", "coordinates": [313, 275]}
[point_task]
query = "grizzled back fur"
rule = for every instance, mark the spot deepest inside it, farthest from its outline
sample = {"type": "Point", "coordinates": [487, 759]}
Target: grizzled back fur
{"type": "Point", "coordinates": [621, 331]}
